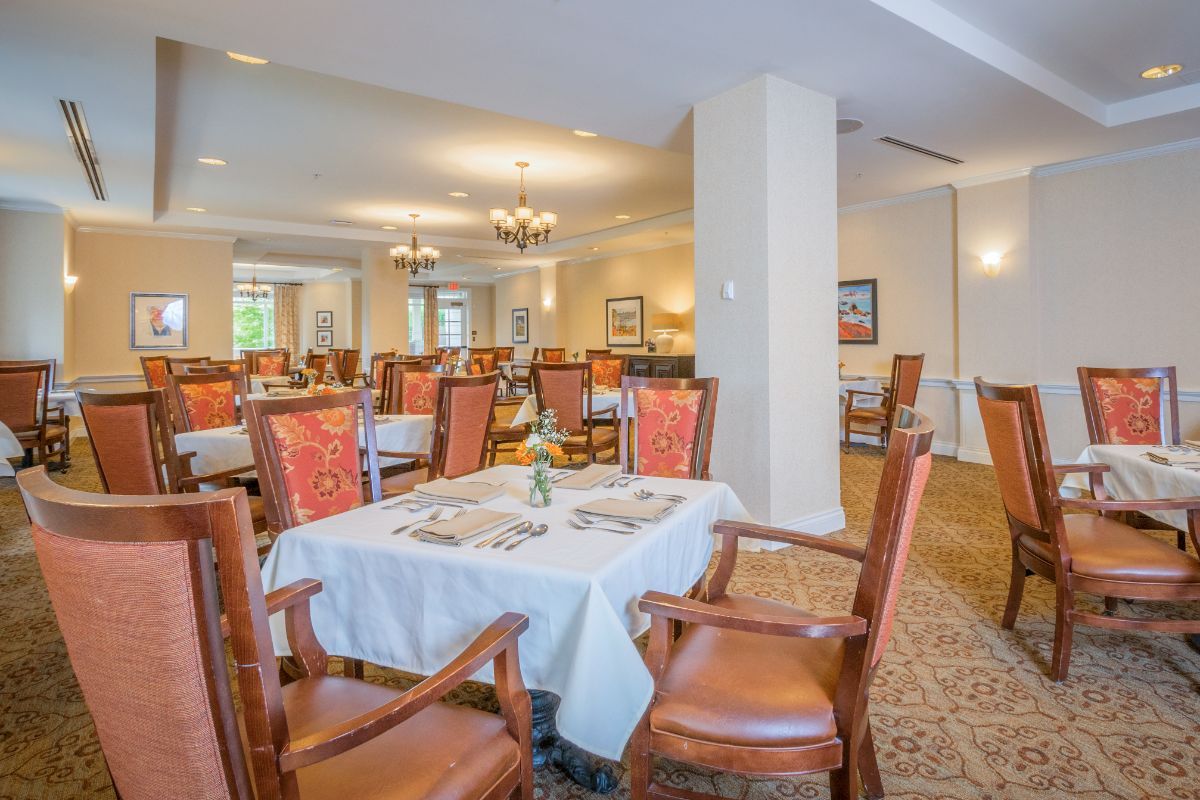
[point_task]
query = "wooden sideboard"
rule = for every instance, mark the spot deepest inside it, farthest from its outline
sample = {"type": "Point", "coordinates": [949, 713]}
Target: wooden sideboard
{"type": "Point", "coordinates": [653, 365]}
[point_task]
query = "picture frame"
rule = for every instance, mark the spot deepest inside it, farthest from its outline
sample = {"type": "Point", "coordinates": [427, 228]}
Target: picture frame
{"type": "Point", "coordinates": [858, 311]}
{"type": "Point", "coordinates": [624, 322]}
{"type": "Point", "coordinates": [158, 321]}
{"type": "Point", "coordinates": [324, 338]}
{"type": "Point", "coordinates": [324, 319]}
{"type": "Point", "coordinates": [520, 326]}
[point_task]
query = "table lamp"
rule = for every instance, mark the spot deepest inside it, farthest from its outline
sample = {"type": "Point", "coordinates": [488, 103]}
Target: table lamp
{"type": "Point", "coordinates": [664, 325]}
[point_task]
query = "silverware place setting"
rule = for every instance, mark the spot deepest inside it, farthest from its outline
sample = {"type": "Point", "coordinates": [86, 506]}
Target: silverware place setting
{"type": "Point", "coordinates": [592, 519]}
{"type": "Point", "coordinates": [597, 526]}
{"type": "Point", "coordinates": [646, 494]}
{"type": "Point", "coordinates": [515, 534]}
{"type": "Point", "coordinates": [518, 529]}
{"type": "Point", "coordinates": [437, 512]}
{"type": "Point", "coordinates": [538, 530]}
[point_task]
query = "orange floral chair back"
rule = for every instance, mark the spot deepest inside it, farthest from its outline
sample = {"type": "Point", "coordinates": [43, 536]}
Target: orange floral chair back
{"type": "Point", "coordinates": [318, 453]}
{"type": "Point", "coordinates": [1130, 409]}
{"type": "Point", "coordinates": [271, 364]}
{"type": "Point", "coordinates": [673, 421]}
{"type": "Point", "coordinates": [552, 355]}
{"type": "Point", "coordinates": [205, 402]}
{"type": "Point", "coordinates": [414, 389]}
{"type": "Point", "coordinates": [486, 361]}
{"type": "Point", "coordinates": [155, 370]}
{"type": "Point", "coordinates": [607, 371]}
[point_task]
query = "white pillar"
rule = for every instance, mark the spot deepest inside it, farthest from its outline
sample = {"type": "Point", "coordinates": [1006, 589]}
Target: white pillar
{"type": "Point", "coordinates": [384, 304]}
{"type": "Point", "coordinates": [766, 219]}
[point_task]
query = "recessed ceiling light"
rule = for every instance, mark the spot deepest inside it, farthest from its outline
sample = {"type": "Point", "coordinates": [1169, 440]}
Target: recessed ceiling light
{"type": "Point", "coordinates": [1161, 71]}
{"type": "Point", "coordinates": [593, 248]}
{"type": "Point", "coordinates": [245, 59]}
{"type": "Point", "coordinates": [197, 209]}
{"type": "Point", "coordinates": [459, 194]}
{"type": "Point", "coordinates": [585, 134]}
{"type": "Point", "coordinates": [212, 161]}
{"type": "Point", "coordinates": [848, 125]}
{"type": "Point", "coordinates": [336, 269]}
{"type": "Point", "coordinates": [387, 227]}
{"type": "Point", "coordinates": [499, 268]}
{"type": "Point", "coordinates": [341, 222]}
{"type": "Point", "coordinates": [622, 216]}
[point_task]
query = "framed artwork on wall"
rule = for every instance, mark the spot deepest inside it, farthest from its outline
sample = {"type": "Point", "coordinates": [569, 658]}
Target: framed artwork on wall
{"type": "Point", "coordinates": [623, 322]}
{"type": "Point", "coordinates": [324, 319]}
{"type": "Point", "coordinates": [858, 312]}
{"type": "Point", "coordinates": [158, 321]}
{"type": "Point", "coordinates": [520, 326]}
{"type": "Point", "coordinates": [324, 338]}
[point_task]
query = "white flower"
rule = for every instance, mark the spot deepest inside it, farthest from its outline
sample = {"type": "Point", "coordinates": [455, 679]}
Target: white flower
{"type": "Point", "coordinates": [533, 441]}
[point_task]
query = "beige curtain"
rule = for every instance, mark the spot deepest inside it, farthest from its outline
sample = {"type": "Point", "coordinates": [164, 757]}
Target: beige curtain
{"type": "Point", "coordinates": [431, 319]}
{"type": "Point", "coordinates": [287, 317]}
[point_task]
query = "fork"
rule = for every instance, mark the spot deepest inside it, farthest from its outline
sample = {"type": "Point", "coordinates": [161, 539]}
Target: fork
{"type": "Point", "coordinates": [595, 527]}
{"type": "Point", "coordinates": [592, 519]}
{"type": "Point", "coordinates": [437, 512]}
{"type": "Point", "coordinates": [416, 532]}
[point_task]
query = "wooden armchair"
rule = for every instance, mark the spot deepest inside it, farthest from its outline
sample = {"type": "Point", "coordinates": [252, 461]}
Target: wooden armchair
{"type": "Point", "coordinates": [505, 353]}
{"type": "Point", "coordinates": [1079, 553]}
{"type": "Point", "coordinates": [591, 354]}
{"type": "Point", "coordinates": [134, 589]}
{"type": "Point", "coordinates": [900, 391]}
{"type": "Point", "coordinates": [552, 355]}
{"type": "Point", "coordinates": [567, 388]}
{"type": "Point", "coordinates": [25, 388]}
{"type": "Point", "coordinates": [756, 686]}
{"type": "Point", "coordinates": [271, 362]}
{"type": "Point", "coordinates": [203, 402]}
{"type": "Point", "coordinates": [154, 369]}
{"type": "Point", "coordinates": [178, 366]}
{"type": "Point", "coordinates": [676, 410]}
{"type": "Point", "coordinates": [413, 389]}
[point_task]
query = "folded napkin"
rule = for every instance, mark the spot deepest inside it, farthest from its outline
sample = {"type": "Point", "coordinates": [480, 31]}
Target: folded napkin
{"type": "Point", "coordinates": [462, 491]}
{"type": "Point", "coordinates": [1192, 443]}
{"type": "Point", "coordinates": [465, 526]}
{"type": "Point", "coordinates": [589, 477]}
{"type": "Point", "coordinates": [639, 510]}
{"type": "Point", "coordinates": [1162, 456]}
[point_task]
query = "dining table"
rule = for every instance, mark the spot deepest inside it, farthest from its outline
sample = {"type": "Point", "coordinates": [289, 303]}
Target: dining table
{"type": "Point", "coordinates": [414, 605]}
{"type": "Point", "coordinates": [603, 401]}
{"type": "Point", "coordinates": [10, 447]}
{"type": "Point", "coordinates": [1133, 475]}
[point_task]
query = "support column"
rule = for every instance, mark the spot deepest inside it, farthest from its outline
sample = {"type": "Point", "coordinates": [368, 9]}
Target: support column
{"type": "Point", "coordinates": [384, 304]}
{"type": "Point", "coordinates": [551, 328]}
{"type": "Point", "coordinates": [766, 219]}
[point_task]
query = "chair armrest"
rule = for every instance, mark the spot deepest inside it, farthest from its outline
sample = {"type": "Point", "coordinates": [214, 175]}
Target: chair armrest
{"type": "Point", "coordinates": [499, 637]}
{"type": "Point", "coordinates": [284, 597]}
{"type": "Point", "coordinates": [192, 481]}
{"type": "Point", "coordinates": [693, 611]}
{"type": "Point", "coordinates": [753, 530]}
{"type": "Point", "coordinates": [1164, 504]}
{"type": "Point", "coordinates": [1064, 469]}
{"type": "Point", "coordinates": [852, 393]}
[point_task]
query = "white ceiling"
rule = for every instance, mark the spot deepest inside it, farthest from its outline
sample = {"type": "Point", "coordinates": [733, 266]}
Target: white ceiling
{"type": "Point", "coordinates": [397, 104]}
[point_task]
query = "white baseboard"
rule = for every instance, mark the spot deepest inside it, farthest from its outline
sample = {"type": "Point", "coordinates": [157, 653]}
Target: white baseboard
{"type": "Point", "coordinates": [820, 523]}
{"type": "Point", "coordinates": [944, 448]}
{"type": "Point", "coordinates": [974, 456]}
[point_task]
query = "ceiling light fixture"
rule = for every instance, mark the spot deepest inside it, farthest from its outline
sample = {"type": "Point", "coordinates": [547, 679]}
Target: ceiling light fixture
{"type": "Point", "coordinates": [388, 228]}
{"type": "Point", "coordinates": [622, 216]}
{"type": "Point", "coordinates": [459, 194]}
{"type": "Point", "coordinates": [245, 59]}
{"type": "Point", "coordinates": [523, 227]}
{"type": "Point", "coordinates": [585, 134]}
{"type": "Point", "coordinates": [1161, 71]}
{"type": "Point", "coordinates": [197, 209]}
{"type": "Point", "coordinates": [414, 258]}
{"type": "Point", "coordinates": [341, 222]}
{"type": "Point", "coordinates": [593, 248]}
{"type": "Point", "coordinates": [210, 161]}
{"type": "Point", "coordinates": [848, 125]}
{"type": "Point", "coordinates": [254, 290]}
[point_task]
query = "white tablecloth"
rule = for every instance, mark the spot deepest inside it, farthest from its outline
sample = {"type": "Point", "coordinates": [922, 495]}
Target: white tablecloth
{"type": "Point", "coordinates": [221, 449]}
{"type": "Point", "coordinates": [402, 603]}
{"type": "Point", "coordinates": [861, 385]}
{"type": "Point", "coordinates": [67, 400]}
{"type": "Point", "coordinates": [601, 402]}
{"type": "Point", "coordinates": [1132, 476]}
{"type": "Point", "coordinates": [9, 448]}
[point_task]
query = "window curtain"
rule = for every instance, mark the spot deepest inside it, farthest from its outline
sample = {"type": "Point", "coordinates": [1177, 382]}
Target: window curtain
{"type": "Point", "coordinates": [431, 319]}
{"type": "Point", "coordinates": [287, 317]}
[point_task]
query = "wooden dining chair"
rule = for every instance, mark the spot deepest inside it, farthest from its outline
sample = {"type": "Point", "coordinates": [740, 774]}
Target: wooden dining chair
{"type": "Point", "coordinates": [211, 368]}
{"type": "Point", "coordinates": [672, 423]}
{"type": "Point", "coordinates": [154, 370]}
{"type": "Point", "coordinates": [900, 391]}
{"type": "Point", "coordinates": [551, 355]}
{"type": "Point", "coordinates": [1079, 553]}
{"type": "Point", "coordinates": [138, 602]}
{"type": "Point", "coordinates": [567, 388]}
{"type": "Point", "coordinates": [607, 370]}
{"type": "Point", "coordinates": [203, 402]}
{"type": "Point", "coordinates": [487, 358]}
{"type": "Point", "coordinates": [502, 436]}
{"type": "Point", "coordinates": [178, 366]}
{"type": "Point", "coordinates": [521, 377]}
{"type": "Point", "coordinates": [413, 391]}
{"type": "Point", "coordinates": [385, 380]}
{"type": "Point", "coordinates": [591, 354]}
{"type": "Point", "coordinates": [271, 363]}
{"type": "Point", "coordinates": [25, 388]}
{"type": "Point", "coordinates": [462, 418]}
{"type": "Point", "coordinates": [759, 687]}
{"type": "Point", "coordinates": [505, 353]}
{"type": "Point", "coordinates": [376, 373]}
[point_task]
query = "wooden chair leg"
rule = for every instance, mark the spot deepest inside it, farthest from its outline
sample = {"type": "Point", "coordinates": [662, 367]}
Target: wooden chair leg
{"type": "Point", "coordinates": [846, 440]}
{"type": "Point", "coordinates": [1016, 588]}
{"type": "Point", "coordinates": [1060, 665]}
{"type": "Point", "coordinates": [1181, 540]}
{"type": "Point", "coordinates": [869, 764]}
{"type": "Point", "coordinates": [352, 668]}
{"type": "Point", "coordinates": [843, 781]}
{"type": "Point", "coordinates": [641, 763]}
{"type": "Point", "coordinates": [1110, 605]}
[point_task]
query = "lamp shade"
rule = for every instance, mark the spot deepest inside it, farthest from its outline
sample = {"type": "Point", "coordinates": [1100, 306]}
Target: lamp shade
{"type": "Point", "coordinates": [665, 322]}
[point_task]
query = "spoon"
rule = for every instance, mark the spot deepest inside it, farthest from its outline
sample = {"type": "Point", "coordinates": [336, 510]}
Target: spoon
{"type": "Point", "coordinates": [522, 527]}
{"type": "Point", "coordinates": [538, 531]}
{"type": "Point", "coordinates": [514, 534]}
{"type": "Point", "coordinates": [646, 494]}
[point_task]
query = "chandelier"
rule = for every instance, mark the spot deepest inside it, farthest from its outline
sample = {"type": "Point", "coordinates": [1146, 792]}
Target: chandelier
{"type": "Point", "coordinates": [414, 258]}
{"type": "Point", "coordinates": [523, 227]}
{"type": "Point", "coordinates": [254, 290]}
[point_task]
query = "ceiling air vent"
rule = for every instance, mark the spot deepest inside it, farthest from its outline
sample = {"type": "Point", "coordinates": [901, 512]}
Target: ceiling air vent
{"type": "Point", "coordinates": [916, 148]}
{"type": "Point", "coordinates": [81, 142]}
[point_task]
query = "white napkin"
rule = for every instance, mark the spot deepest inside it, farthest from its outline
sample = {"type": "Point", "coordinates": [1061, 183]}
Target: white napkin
{"type": "Point", "coordinates": [466, 526]}
{"type": "Point", "coordinates": [589, 477]}
{"type": "Point", "coordinates": [640, 510]}
{"type": "Point", "coordinates": [462, 491]}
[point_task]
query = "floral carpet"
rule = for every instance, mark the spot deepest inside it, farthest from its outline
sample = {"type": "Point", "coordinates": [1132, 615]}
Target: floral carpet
{"type": "Point", "coordinates": [960, 708]}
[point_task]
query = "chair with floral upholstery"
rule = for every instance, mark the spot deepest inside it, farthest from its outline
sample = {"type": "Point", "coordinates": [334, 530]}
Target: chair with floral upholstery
{"type": "Point", "coordinates": [486, 357]}
{"type": "Point", "coordinates": [270, 362]}
{"type": "Point", "coordinates": [138, 601]}
{"type": "Point", "coordinates": [672, 423]}
{"type": "Point", "coordinates": [505, 353]}
{"type": "Point", "coordinates": [591, 354]}
{"type": "Point", "coordinates": [567, 388]}
{"type": "Point", "coordinates": [178, 366]}
{"type": "Point", "coordinates": [384, 384]}
{"type": "Point", "coordinates": [900, 391]}
{"type": "Point", "coordinates": [413, 390]}
{"type": "Point", "coordinates": [760, 687]}
{"type": "Point", "coordinates": [154, 369]}
{"type": "Point", "coordinates": [551, 355]}
{"type": "Point", "coordinates": [203, 402]}
{"type": "Point", "coordinates": [607, 370]}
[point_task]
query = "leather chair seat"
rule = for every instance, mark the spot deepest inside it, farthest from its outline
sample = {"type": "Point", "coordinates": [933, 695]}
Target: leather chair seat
{"type": "Point", "coordinates": [503, 432]}
{"type": "Point", "coordinates": [600, 437]}
{"type": "Point", "coordinates": [1107, 549]}
{"type": "Point", "coordinates": [869, 412]}
{"type": "Point", "coordinates": [749, 689]}
{"type": "Point", "coordinates": [404, 482]}
{"type": "Point", "coordinates": [443, 752]}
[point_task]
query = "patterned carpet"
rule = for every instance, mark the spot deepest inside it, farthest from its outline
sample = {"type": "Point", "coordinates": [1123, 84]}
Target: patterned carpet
{"type": "Point", "coordinates": [961, 709]}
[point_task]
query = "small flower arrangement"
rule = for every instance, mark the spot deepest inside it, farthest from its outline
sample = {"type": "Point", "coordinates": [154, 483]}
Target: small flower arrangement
{"type": "Point", "coordinates": [575, 356]}
{"type": "Point", "coordinates": [841, 366]}
{"type": "Point", "coordinates": [543, 443]}
{"type": "Point", "coordinates": [310, 375]}
{"type": "Point", "coordinates": [316, 389]}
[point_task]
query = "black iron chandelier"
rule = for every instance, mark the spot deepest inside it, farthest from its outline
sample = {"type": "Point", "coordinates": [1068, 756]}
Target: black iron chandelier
{"type": "Point", "coordinates": [522, 227]}
{"type": "Point", "coordinates": [414, 258]}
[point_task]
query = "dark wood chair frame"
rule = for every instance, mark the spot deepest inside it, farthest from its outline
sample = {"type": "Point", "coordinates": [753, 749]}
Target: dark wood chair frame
{"type": "Point", "coordinates": [146, 372]}
{"type": "Point", "coordinates": [888, 402]}
{"type": "Point", "coordinates": [395, 402]}
{"type": "Point", "coordinates": [500, 435]}
{"type": "Point", "coordinates": [385, 388]}
{"type": "Point", "coordinates": [252, 356]}
{"type": "Point", "coordinates": [44, 415]}
{"type": "Point", "coordinates": [852, 755]}
{"type": "Point", "coordinates": [588, 448]}
{"type": "Point", "coordinates": [173, 469]}
{"type": "Point", "coordinates": [441, 419]}
{"type": "Point", "coordinates": [220, 522]}
{"type": "Point", "coordinates": [589, 353]}
{"type": "Point", "coordinates": [240, 382]}
{"type": "Point", "coordinates": [1043, 476]}
{"type": "Point", "coordinates": [178, 366]}
{"type": "Point", "coordinates": [708, 418]}
{"type": "Point", "coordinates": [539, 352]}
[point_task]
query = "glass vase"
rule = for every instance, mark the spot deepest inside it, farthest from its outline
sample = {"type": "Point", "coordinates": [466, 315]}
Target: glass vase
{"type": "Point", "coordinates": [539, 484]}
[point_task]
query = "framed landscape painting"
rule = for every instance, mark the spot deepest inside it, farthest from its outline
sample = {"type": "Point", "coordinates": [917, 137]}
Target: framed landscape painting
{"type": "Point", "coordinates": [858, 312]}
{"type": "Point", "coordinates": [158, 321]}
{"type": "Point", "coordinates": [520, 326]}
{"type": "Point", "coordinates": [623, 320]}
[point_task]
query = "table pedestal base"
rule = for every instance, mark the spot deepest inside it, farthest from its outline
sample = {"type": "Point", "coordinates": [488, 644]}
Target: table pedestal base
{"type": "Point", "coordinates": [591, 772]}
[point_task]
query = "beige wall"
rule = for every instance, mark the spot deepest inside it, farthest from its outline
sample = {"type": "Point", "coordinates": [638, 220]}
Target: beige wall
{"type": "Point", "coordinates": [335, 296]}
{"type": "Point", "coordinates": [33, 259]}
{"type": "Point", "coordinates": [519, 291]}
{"type": "Point", "coordinates": [384, 314]}
{"type": "Point", "coordinates": [111, 265]}
{"type": "Point", "coordinates": [483, 315]}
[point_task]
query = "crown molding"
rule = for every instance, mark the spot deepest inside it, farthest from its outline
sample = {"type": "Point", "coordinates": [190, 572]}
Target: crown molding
{"type": "Point", "coordinates": [1117, 158]}
{"type": "Point", "coordinates": [203, 237]}
{"type": "Point", "coordinates": [993, 177]}
{"type": "Point", "coordinates": [35, 206]}
{"type": "Point", "coordinates": [924, 194]}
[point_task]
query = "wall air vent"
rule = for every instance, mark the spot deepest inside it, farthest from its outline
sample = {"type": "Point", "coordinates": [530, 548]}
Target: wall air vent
{"type": "Point", "coordinates": [916, 148]}
{"type": "Point", "coordinates": [81, 142]}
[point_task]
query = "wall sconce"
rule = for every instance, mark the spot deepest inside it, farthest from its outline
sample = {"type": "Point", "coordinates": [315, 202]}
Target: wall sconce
{"type": "Point", "coordinates": [546, 301]}
{"type": "Point", "coordinates": [991, 263]}
{"type": "Point", "coordinates": [70, 280]}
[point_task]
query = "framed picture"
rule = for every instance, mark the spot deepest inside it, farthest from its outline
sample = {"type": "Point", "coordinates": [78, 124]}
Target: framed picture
{"type": "Point", "coordinates": [858, 312]}
{"type": "Point", "coordinates": [520, 323]}
{"type": "Point", "coordinates": [158, 321]}
{"type": "Point", "coordinates": [324, 319]}
{"type": "Point", "coordinates": [324, 338]}
{"type": "Point", "coordinates": [623, 320]}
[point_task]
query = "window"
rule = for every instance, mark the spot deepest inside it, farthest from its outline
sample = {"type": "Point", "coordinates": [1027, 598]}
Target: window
{"type": "Point", "coordinates": [253, 322]}
{"type": "Point", "coordinates": [416, 320]}
{"type": "Point", "coordinates": [453, 318]}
